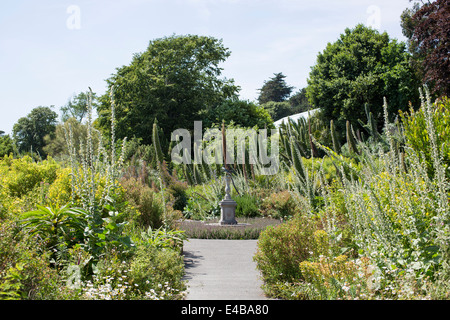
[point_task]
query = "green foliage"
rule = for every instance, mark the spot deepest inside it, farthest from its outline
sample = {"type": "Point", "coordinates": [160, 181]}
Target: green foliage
{"type": "Point", "coordinates": [158, 272]}
{"type": "Point", "coordinates": [149, 274]}
{"type": "Point", "coordinates": [51, 224]}
{"type": "Point", "coordinates": [178, 190]}
{"type": "Point", "coordinates": [274, 89]}
{"type": "Point", "coordinates": [23, 175]}
{"type": "Point", "coordinates": [247, 206]}
{"type": "Point", "coordinates": [7, 146]}
{"type": "Point", "coordinates": [156, 144]}
{"type": "Point", "coordinates": [361, 67]}
{"type": "Point", "coordinates": [351, 141]}
{"type": "Point", "coordinates": [278, 110]}
{"type": "Point", "coordinates": [29, 131]}
{"type": "Point", "coordinates": [299, 102]}
{"type": "Point", "coordinates": [203, 201]}
{"type": "Point", "coordinates": [56, 144]}
{"type": "Point", "coordinates": [417, 135]}
{"type": "Point", "coordinates": [163, 238]}
{"type": "Point", "coordinates": [240, 113]}
{"type": "Point", "coordinates": [142, 197]}
{"type": "Point", "coordinates": [174, 80]}
{"type": "Point", "coordinates": [76, 107]}
{"type": "Point", "coordinates": [24, 269]}
{"type": "Point", "coordinates": [282, 248]}
{"type": "Point", "coordinates": [299, 134]}
{"type": "Point", "coordinates": [336, 144]}
{"type": "Point", "coordinates": [278, 205]}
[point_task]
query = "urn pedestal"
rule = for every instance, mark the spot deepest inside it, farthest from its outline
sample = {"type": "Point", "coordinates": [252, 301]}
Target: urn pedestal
{"type": "Point", "coordinates": [227, 205]}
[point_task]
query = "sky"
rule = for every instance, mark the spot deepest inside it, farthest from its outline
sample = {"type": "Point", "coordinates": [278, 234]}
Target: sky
{"type": "Point", "coordinates": [51, 50]}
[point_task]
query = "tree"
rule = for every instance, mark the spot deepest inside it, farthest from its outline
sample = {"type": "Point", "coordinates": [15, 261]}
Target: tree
{"type": "Point", "coordinates": [6, 145]}
{"type": "Point", "coordinates": [429, 33]}
{"type": "Point", "coordinates": [278, 110]}
{"type": "Point", "coordinates": [361, 67]}
{"type": "Point", "coordinates": [76, 107]}
{"type": "Point", "coordinates": [174, 81]}
{"type": "Point", "coordinates": [241, 112]}
{"type": "Point", "coordinates": [299, 101]}
{"type": "Point", "coordinates": [274, 89]}
{"type": "Point", "coordinates": [56, 142]}
{"type": "Point", "coordinates": [29, 131]}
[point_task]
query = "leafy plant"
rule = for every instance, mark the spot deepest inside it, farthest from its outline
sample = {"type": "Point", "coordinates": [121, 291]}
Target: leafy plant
{"type": "Point", "coordinates": [247, 206]}
{"type": "Point", "coordinates": [164, 238]}
{"type": "Point", "coordinates": [282, 248]}
{"type": "Point", "coordinates": [278, 205]}
{"type": "Point", "coordinates": [50, 223]}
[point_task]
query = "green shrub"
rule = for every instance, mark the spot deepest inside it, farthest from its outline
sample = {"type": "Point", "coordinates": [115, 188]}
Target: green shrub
{"type": "Point", "coordinates": [178, 190]}
{"type": "Point", "coordinates": [417, 134]}
{"type": "Point", "coordinates": [51, 223]}
{"type": "Point", "coordinates": [163, 238]}
{"type": "Point", "coordinates": [24, 266]}
{"type": "Point", "coordinates": [247, 206]}
{"type": "Point", "coordinates": [278, 205]}
{"type": "Point", "coordinates": [282, 248]}
{"type": "Point", "coordinates": [22, 175]}
{"type": "Point", "coordinates": [142, 197]}
{"type": "Point", "coordinates": [203, 201]}
{"type": "Point", "coordinates": [158, 272]}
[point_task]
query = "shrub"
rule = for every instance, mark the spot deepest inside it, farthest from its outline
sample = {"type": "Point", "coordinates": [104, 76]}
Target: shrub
{"type": "Point", "coordinates": [203, 201]}
{"type": "Point", "coordinates": [282, 248]}
{"type": "Point", "coordinates": [51, 223]}
{"type": "Point", "coordinates": [278, 205]}
{"type": "Point", "coordinates": [158, 272]}
{"type": "Point", "coordinates": [60, 191]}
{"type": "Point", "coordinates": [23, 175]}
{"type": "Point", "coordinates": [247, 206]}
{"type": "Point", "coordinates": [142, 197]}
{"type": "Point", "coordinates": [399, 215]}
{"type": "Point", "coordinates": [163, 238]}
{"type": "Point", "coordinates": [417, 134]}
{"type": "Point", "coordinates": [24, 266]}
{"type": "Point", "coordinates": [178, 190]}
{"type": "Point", "coordinates": [336, 278]}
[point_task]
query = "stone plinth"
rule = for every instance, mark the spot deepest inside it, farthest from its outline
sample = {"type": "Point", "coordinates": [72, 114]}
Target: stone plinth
{"type": "Point", "coordinates": [227, 212]}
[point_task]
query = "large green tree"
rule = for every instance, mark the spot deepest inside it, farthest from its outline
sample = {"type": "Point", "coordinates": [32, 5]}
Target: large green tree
{"type": "Point", "coordinates": [29, 131]}
{"type": "Point", "coordinates": [275, 89]}
{"type": "Point", "coordinates": [360, 68]}
{"type": "Point", "coordinates": [6, 145]}
{"type": "Point", "coordinates": [241, 112]}
{"type": "Point", "coordinates": [76, 107]}
{"type": "Point", "coordinates": [175, 80]}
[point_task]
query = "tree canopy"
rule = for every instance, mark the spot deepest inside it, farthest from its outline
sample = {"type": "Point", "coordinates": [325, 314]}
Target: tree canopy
{"type": "Point", "coordinates": [360, 68]}
{"type": "Point", "coordinates": [76, 107]}
{"type": "Point", "coordinates": [241, 112]}
{"type": "Point", "coordinates": [174, 81]}
{"type": "Point", "coordinates": [29, 131]}
{"type": "Point", "coordinates": [275, 89]}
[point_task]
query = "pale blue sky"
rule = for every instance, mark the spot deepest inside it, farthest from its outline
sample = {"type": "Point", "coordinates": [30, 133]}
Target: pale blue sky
{"type": "Point", "coordinates": [48, 53]}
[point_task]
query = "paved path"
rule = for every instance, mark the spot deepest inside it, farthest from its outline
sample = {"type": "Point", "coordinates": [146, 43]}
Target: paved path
{"type": "Point", "coordinates": [222, 270]}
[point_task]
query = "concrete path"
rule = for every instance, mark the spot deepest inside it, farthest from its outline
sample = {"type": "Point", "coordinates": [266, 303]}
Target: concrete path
{"type": "Point", "coordinates": [221, 270]}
